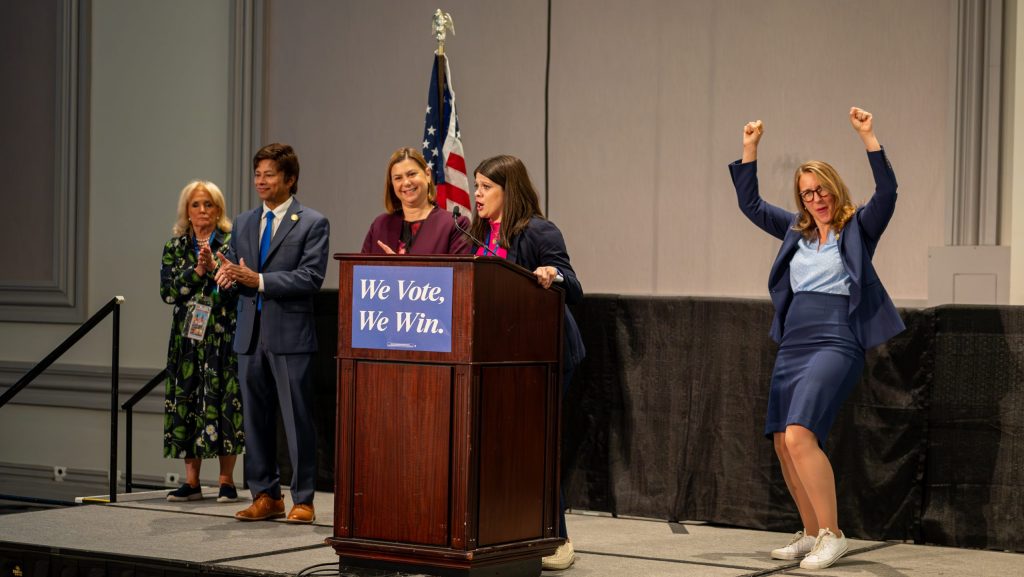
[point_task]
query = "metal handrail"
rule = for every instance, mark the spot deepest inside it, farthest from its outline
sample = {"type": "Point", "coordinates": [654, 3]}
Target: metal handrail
{"type": "Point", "coordinates": [128, 406]}
{"type": "Point", "coordinates": [112, 307]}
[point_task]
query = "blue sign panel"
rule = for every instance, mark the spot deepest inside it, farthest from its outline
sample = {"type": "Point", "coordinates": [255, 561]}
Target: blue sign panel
{"type": "Point", "coordinates": [402, 307]}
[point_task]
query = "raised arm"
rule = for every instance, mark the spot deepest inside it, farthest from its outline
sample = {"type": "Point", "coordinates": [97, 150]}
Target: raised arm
{"type": "Point", "coordinates": [875, 214]}
{"type": "Point", "coordinates": [769, 218]}
{"type": "Point", "coordinates": [862, 122]}
{"type": "Point", "coordinates": [752, 132]}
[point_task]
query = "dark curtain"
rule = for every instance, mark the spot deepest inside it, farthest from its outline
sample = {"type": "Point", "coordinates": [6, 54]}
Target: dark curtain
{"type": "Point", "coordinates": [974, 484]}
{"type": "Point", "coordinates": [665, 419]}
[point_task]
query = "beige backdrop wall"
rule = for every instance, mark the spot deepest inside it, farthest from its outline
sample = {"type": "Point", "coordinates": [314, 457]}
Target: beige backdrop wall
{"type": "Point", "coordinates": [347, 84]}
{"type": "Point", "coordinates": [646, 102]}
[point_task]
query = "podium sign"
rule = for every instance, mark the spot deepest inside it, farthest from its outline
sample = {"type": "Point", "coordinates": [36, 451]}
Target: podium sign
{"type": "Point", "coordinates": [402, 307]}
{"type": "Point", "coordinates": [449, 373]}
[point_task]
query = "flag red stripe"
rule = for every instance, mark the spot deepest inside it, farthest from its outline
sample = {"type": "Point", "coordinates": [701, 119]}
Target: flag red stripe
{"type": "Point", "coordinates": [457, 195]}
{"type": "Point", "coordinates": [457, 162]}
{"type": "Point", "coordinates": [442, 196]}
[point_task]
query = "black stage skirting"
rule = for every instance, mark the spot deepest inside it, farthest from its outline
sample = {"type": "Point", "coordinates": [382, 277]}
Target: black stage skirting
{"type": "Point", "coordinates": [665, 419]}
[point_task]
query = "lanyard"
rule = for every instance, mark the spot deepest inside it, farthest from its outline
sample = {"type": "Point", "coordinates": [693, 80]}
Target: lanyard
{"type": "Point", "coordinates": [487, 243]}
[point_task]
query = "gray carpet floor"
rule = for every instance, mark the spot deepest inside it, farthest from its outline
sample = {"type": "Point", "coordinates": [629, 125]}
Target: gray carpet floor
{"type": "Point", "coordinates": [146, 525]}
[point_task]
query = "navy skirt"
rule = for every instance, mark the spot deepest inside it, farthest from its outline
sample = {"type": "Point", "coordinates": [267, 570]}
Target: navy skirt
{"type": "Point", "coordinates": [819, 363]}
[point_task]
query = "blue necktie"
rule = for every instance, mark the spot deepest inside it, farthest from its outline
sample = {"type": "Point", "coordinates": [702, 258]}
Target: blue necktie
{"type": "Point", "coordinates": [268, 232]}
{"type": "Point", "coordinates": [265, 239]}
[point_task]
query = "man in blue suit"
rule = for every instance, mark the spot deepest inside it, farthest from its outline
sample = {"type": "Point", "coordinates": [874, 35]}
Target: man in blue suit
{"type": "Point", "coordinates": [281, 249]}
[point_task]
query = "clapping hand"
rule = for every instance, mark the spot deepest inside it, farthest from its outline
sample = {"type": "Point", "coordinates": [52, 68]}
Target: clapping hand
{"type": "Point", "coordinates": [206, 261]}
{"type": "Point", "coordinates": [230, 273]}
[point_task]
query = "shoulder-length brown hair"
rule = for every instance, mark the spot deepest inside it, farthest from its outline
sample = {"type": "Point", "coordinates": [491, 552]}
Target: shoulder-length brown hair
{"type": "Point", "coordinates": [829, 180]}
{"type": "Point", "coordinates": [181, 225]}
{"type": "Point", "coordinates": [391, 202]}
{"type": "Point", "coordinates": [520, 202]}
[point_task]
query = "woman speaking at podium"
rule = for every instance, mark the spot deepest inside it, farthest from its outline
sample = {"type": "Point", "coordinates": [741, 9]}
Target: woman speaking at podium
{"type": "Point", "coordinates": [413, 223]}
{"type": "Point", "coordinates": [829, 307]}
{"type": "Point", "coordinates": [510, 225]}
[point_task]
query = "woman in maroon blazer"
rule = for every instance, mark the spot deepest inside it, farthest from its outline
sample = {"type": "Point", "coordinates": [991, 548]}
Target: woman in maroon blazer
{"type": "Point", "coordinates": [413, 224]}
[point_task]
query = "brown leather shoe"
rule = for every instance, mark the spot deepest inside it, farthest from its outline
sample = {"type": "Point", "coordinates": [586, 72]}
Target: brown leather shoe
{"type": "Point", "coordinates": [301, 513]}
{"type": "Point", "coordinates": [262, 508]}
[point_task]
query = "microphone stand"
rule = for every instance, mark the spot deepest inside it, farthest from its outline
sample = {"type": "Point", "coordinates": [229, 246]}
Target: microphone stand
{"type": "Point", "coordinates": [487, 249]}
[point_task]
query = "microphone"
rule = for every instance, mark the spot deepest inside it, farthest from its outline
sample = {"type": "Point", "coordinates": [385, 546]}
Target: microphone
{"type": "Point", "coordinates": [455, 216]}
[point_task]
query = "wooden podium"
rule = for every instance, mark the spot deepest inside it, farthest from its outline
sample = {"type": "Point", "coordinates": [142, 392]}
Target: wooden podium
{"type": "Point", "coordinates": [448, 461]}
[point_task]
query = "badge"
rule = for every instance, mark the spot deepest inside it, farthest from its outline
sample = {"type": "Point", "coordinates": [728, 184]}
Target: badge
{"type": "Point", "coordinates": [196, 320]}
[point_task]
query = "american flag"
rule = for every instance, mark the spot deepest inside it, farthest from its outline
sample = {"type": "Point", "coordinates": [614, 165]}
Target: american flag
{"type": "Point", "coordinates": [442, 141]}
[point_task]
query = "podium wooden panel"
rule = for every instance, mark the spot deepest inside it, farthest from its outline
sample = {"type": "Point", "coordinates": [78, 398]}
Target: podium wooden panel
{"type": "Point", "coordinates": [448, 461]}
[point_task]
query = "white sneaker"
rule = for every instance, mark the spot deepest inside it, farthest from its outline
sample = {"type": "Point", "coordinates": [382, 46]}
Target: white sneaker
{"type": "Point", "coordinates": [827, 550]}
{"type": "Point", "coordinates": [799, 546]}
{"type": "Point", "coordinates": [562, 559]}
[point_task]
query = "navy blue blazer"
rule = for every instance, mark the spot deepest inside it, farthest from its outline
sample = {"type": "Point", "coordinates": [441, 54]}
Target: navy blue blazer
{"type": "Point", "coordinates": [541, 244]}
{"type": "Point", "coordinates": [873, 317]}
{"type": "Point", "coordinates": [292, 275]}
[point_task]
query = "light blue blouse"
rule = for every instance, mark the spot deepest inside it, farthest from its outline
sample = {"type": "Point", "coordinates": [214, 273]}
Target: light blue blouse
{"type": "Point", "coordinates": [820, 271]}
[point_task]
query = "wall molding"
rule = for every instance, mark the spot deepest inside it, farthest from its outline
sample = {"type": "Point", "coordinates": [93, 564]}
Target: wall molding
{"type": "Point", "coordinates": [81, 386]}
{"type": "Point", "coordinates": [62, 298]}
{"type": "Point", "coordinates": [42, 473]}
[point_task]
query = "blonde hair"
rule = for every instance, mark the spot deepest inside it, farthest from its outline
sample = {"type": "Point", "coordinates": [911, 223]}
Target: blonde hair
{"type": "Point", "coordinates": [182, 224]}
{"type": "Point", "coordinates": [391, 202]}
{"type": "Point", "coordinates": [829, 180]}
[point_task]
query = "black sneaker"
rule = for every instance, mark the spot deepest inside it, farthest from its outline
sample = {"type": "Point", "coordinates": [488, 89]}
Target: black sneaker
{"type": "Point", "coordinates": [227, 494]}
{"type": "Point", "coordinates": [185, 492]}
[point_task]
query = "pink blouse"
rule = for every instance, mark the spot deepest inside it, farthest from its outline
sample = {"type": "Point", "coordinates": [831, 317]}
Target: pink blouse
{"type": "Point", "coordinates": [491, 242]}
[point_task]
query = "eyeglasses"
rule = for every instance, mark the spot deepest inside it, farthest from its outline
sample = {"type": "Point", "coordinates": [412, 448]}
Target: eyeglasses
{"type": "Point", "coordinates": [808, 195]}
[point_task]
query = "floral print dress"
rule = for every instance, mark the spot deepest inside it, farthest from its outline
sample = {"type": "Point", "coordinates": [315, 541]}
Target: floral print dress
{"type": "Point", "coordinates": [203, 405]}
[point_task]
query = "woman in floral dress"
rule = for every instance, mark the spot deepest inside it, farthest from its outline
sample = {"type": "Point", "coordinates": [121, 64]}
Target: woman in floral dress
{"type": "Point", "coordinates": [203, 406]}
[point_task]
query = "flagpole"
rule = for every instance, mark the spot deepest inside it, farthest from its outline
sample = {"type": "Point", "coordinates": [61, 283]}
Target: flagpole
{"type": "Point", "coordinates": [439, 61]}
{"type": "Point", "coordinates": [441, 25]}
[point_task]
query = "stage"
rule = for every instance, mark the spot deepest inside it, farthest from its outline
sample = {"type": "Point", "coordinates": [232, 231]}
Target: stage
{"type": "Point", "coordinates": [143, 534]}
{"type": "Point", "coordinates": [664, 423]}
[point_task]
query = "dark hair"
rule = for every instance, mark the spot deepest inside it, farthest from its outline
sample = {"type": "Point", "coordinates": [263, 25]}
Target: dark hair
{"type": "Point", "coordinates": [520, 202]}
{"type": "Point", "coordinates": [391, 202]}
{"type": "Point", "coordinates": [284, 158]}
